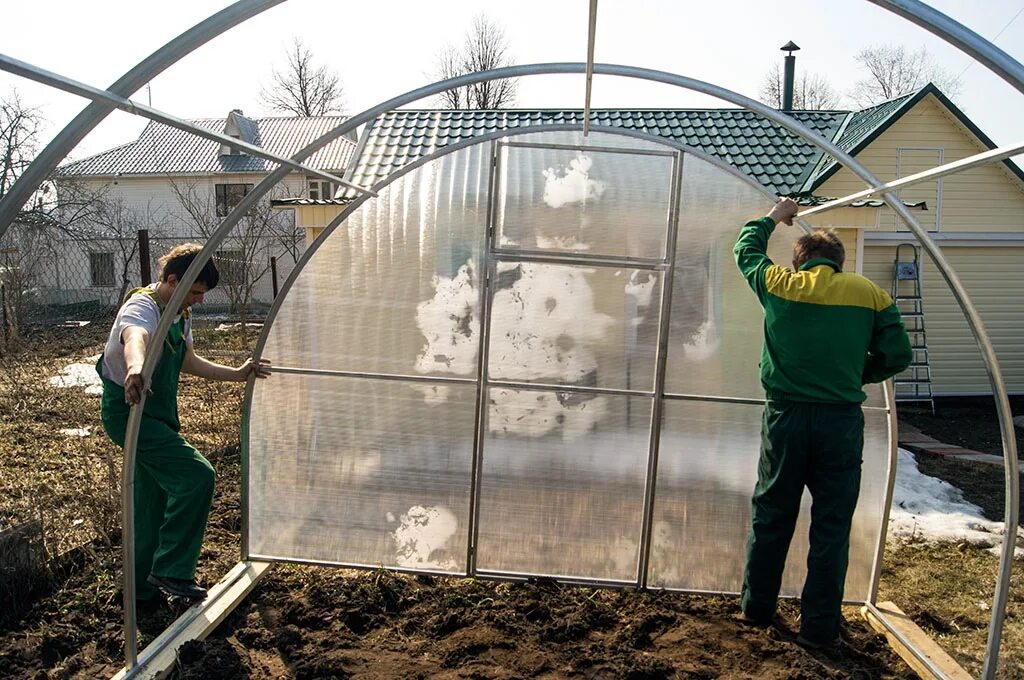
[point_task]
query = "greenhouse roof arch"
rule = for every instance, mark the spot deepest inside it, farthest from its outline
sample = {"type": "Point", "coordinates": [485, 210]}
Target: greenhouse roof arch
{"type": "Point", "coordinates": [917, 12]}
{"type": "Point", "coordinates": [667, 78]}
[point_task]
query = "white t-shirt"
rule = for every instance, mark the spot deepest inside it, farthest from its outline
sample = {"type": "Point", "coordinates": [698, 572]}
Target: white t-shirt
{"type": "Point", "coordinates": [141, 310]}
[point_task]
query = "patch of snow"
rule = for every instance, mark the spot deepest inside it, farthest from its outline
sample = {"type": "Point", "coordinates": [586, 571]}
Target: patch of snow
{"type": "Point", "coordinates": [80, 375]}
{"type": "Point", "coordinates": [572, 184]}
{"type": "Point", "coordinates": [932, 509]}
{"type": "Point", "coordinates": [75, 431]}
{"type": "Point", "coordinates": [232, 326]}
{"type": "Point", "coordinates": [422, 537]}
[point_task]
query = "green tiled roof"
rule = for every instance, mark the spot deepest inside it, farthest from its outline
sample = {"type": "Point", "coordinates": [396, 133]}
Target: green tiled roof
{"type": "Point", "coordinates": [770, 154]}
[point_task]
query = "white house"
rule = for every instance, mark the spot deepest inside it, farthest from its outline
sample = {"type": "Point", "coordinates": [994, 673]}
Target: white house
{"type": "Point", "coordinates": [179, 186]}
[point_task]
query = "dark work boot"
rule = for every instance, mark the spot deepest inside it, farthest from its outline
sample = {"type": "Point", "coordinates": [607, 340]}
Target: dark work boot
{"type": "Point", "coordinates": [178, 587]}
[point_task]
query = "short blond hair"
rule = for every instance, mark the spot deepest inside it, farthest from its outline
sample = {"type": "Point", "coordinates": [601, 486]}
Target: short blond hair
{"type": "Point", "coordinates": [178, 260]}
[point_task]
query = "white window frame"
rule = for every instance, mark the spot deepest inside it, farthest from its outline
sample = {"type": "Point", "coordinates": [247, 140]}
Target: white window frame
{"type": "Point", "coordinates": [315, 189]}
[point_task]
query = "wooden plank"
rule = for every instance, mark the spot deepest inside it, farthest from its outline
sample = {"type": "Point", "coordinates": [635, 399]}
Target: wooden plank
{"type": "Point", "coordinates": [918, 638]}
{"type": "Point", "coordinates": [158, 659]}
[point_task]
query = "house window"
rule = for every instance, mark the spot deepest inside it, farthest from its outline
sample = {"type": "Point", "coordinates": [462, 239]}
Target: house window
{"type": "Point", "coordinates": [321, 189]}
{"type": "Point", "coordinates": [101, 269]}
{"type": "Point", "coordinates": [229, 195]}
{"type": "Point", "coordinates": [231, 265]}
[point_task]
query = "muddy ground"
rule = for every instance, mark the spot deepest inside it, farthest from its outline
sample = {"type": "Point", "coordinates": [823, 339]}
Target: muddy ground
{"type": "Point", "coordinates": [304, 622]}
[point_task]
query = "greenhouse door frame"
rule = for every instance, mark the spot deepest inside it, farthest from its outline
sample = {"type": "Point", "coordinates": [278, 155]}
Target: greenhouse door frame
{"type": "Point", "coordinates": [496, 253]}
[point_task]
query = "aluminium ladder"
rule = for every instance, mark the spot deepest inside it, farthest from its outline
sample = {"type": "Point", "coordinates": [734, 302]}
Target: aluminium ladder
{"type": "Point", "coordinates": [915, 383]}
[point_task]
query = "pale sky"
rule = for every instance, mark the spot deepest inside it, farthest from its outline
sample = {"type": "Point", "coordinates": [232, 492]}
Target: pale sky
{"type": "Point", "coordinates": [383, 48]}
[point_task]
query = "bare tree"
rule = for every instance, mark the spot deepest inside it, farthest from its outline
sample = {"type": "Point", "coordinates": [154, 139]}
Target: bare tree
{"type": "Point", "coordinates": [19, 130]}
{"type": "Point", "coordinates": [302, 87]}
{"type": "Point", "coordinates": [31, 246]}
{"type": "Point", "coordinates": [244, 258]}
{"type": "Point", "coordinates": [484, 48]}
{"type": "Point", "coordinates": [895, 70]}
{"type": "Point", "coordinates": [811, 91]}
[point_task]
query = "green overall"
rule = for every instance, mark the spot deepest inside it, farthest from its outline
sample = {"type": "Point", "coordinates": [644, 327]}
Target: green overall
{"type": "Point", "coordinates": [173, 481]}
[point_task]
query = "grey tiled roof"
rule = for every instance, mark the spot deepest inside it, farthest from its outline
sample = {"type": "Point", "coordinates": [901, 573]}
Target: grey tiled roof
{"type": "Point", "coordinates": [767, 152]}
{"type": "Point", "coordinates": [164, 150]}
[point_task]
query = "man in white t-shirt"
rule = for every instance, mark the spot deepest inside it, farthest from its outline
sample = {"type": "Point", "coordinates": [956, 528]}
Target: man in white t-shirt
{"type": "Point", "coordinates": [173, 481]}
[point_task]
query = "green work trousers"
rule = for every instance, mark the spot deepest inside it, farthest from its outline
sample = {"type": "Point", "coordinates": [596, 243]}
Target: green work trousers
{"type": "Point", "coordinates": [173, 482]}
{"type": "Point", "coordinates": [818, 446]}
{"type": "Point", "coordinates": [173, 493]}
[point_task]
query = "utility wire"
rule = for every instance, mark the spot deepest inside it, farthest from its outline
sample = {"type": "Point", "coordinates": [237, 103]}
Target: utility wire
{"type": "Point", "coordinates": [993, 40]}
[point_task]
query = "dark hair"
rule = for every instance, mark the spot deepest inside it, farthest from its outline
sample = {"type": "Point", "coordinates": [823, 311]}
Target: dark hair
{"type": "Point", "coordinates": [179, 259]}
{"type": "Point", "coordinates": [819, 243]}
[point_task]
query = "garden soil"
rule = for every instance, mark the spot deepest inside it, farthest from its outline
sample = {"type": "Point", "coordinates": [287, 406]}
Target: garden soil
{"type": "Point", "coordinates": [306, 622]}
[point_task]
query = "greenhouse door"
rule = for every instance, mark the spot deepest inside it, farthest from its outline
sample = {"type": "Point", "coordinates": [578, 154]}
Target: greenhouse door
{"type": "Point", "coordinates": [579, 253]}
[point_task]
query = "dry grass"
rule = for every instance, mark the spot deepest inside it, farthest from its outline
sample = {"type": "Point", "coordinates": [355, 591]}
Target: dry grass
{"type": "Point", "coordinates": [72, 485]}
{"type": "Point", "coordinates": [947, 590]}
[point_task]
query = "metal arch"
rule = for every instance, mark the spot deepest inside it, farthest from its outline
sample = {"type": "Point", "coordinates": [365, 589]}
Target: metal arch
{"type": "Point", "coordinates": [959, 36]}
{"type": "Point", "coordinates": [126, 85]}
{"type": "Point", "coordinates": [54, 80]}
{"type": "Point", "coordinates": [974, 320]}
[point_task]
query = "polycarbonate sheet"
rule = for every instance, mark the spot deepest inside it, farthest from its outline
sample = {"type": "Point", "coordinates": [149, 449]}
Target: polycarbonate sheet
{"type": "Point", "coordinates": [707, 468]}
{"type": "Point", "coordinates": [574, 325]}
{"type": "Point", "coordinates": [360, 471]}
{"type": "Point", "coordinates": [396, 288]}
{"type": "Point", "coordinates": [562, 484]}
{"type": "Point", "coordinates": [584, 200]}
{"type": "Point", "coordinates": [716, 325]}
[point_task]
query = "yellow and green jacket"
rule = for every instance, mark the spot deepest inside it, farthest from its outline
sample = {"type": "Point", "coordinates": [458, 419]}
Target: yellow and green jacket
{"type": "Point", "coordinates": [826, 332]}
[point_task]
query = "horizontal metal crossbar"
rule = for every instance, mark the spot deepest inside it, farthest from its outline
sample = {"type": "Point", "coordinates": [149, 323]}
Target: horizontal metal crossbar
{"type": "Point", "coordinates": [1002, 153]}
{"type": "Point", "coordinates": [60, 82]}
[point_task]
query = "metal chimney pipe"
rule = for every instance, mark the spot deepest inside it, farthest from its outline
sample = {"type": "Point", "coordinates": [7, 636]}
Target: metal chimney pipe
{"type": "Point", "coordinates": [787, 79]}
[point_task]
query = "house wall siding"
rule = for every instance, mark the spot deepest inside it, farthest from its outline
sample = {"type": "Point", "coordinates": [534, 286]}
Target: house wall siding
{"type": "Point", "coordinates": [989, 198]}
{"type": "Point", "coordinates": [994, 279]}
{"type": "Point", "coordinates": [154, 198]}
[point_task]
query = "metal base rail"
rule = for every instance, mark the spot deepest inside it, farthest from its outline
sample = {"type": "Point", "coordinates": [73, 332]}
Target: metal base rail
{"type": "Point", "coordinates": [175, 635]}
{"type": "Point", "coordinates": [918, 654]}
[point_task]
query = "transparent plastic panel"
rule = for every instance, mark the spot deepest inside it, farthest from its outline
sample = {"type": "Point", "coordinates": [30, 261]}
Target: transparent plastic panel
{"type": "Point", "coordinates": [361, 471]}
{"type": "Point", "coordinates": [396, 288]}
{"type": "Point", "coordinates": [584, 201]}
{"type": "Point", "coordinates": [574, 325]}
{"type": "Point", "coordinates": [707, 468]}
{"type": "Point", "coordinates": [563, 484]}
{"type": "Point", "coordinates": [717, 323]}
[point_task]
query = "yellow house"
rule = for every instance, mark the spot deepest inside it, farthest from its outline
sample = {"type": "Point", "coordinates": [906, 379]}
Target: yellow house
{"type": "Point", "coordinates": [975, 216]}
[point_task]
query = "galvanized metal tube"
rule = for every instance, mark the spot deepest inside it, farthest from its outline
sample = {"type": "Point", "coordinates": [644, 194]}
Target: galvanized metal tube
{"type": "Point", "coordinates": [890, 486]}
{"type": "Point", "coordinates": [1010, 70]}
{"type": "Point", "coordinates": [923, 658]}
{"type": "Point", "coordinates": [60, 82]}
{"type": "Point", "coordinates": [375, 376]}
{"type": "Point", "coordinates": [488, 271]}
{"type": "Point", "coordinates": [661, 359]}
{"type": "Point", "coordinates": [992, 156]}
{"type": "Point", "coordinates": [126, 85]}
{"type": "Point", "coordinates": [591, 37]}
{"type": "Point", "coordinates": [961, 37]}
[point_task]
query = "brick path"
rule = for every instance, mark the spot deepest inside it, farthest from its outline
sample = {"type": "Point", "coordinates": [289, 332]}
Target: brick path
{"type": "Point", "coordinates": [913, 440]}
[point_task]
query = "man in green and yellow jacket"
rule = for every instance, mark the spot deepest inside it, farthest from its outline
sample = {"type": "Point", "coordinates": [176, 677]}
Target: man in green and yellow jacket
{"type": "Point", "coordinates": [826, 334]}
